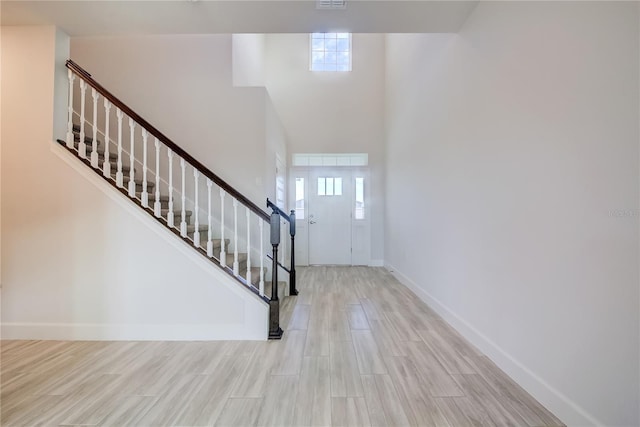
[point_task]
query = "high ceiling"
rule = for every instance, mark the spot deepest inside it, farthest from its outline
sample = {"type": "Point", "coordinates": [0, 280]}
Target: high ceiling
{"type": "Point", "coordinates": [87, 18]}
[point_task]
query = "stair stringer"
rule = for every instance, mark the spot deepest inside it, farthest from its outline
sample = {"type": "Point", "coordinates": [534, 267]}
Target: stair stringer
{"type": "Point", "coordinates": [256, 310]}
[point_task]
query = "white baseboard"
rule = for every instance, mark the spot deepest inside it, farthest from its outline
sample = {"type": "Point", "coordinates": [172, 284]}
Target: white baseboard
{"type": "Point", "coordinates": [128, 332]}
{"type": "Point", "coordinates": [376, 263]}
{"type": "Point", "coordinates": [563, 407]}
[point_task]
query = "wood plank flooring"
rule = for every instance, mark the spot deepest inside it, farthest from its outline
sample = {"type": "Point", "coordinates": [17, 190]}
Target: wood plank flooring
{"type": "Point", "coordinates": [359, 350]}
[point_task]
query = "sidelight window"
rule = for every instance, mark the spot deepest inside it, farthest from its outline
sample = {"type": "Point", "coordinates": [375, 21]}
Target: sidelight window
{"type": "Point", "coordinates": [359, 211]}
{"type": "Point", "coordinates": [299, 198]}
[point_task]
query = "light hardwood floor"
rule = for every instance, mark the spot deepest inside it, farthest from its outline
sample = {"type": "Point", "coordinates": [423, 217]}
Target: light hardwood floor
{"type": "Point", "coordinates": [359, 350]}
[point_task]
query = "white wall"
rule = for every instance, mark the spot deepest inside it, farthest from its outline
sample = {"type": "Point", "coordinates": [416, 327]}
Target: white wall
{"type": "Point", "coordinates": [0, 182]}
{"type": "Point", "coordinates": [511, 146]}
{"type": "Point", "coordinates": [249, 69]}
{"type": "Point", "coordinates": [333, 112]}
{"type": "Point", "coordinates": [76, 264]}
{"type": "Point", "coordinates": [248, 60]}
{"type": "Point", "coordinates": [276, 145]}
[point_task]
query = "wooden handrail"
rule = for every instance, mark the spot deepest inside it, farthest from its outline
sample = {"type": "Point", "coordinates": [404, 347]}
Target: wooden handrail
{"type": "Point", "coordinates": [282, 213]}
{"type": "Point", "coordinates": [82, 73]}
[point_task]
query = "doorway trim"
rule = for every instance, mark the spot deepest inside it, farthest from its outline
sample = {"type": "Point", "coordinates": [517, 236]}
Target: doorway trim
{"type": "Point", "coordinates": [360, 227]}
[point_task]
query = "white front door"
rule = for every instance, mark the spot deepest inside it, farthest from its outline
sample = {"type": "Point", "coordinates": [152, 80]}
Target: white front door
{"type": "Point", "coordinates": [329, 216]}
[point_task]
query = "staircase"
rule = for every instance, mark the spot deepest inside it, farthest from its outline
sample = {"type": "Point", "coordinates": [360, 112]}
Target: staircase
{"type": "Point", "coordinates": [182, 194]}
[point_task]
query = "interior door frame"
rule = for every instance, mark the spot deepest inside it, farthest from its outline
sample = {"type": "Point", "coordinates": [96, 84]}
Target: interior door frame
{"type": "Point", "coordinates": [302, 225]}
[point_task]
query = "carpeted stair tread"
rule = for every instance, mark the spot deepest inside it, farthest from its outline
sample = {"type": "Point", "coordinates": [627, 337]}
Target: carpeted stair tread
{"type": "Point", "coordinates": [138, 181]}
{"type": "Point", "coordinates": [177, 213]}
{"type": "Point", "coordinates": [113, 157]}
{"type": "Point", "coordinates": [125, 168]}
{"type": "Point", "coordinates": [164, 200]}
{"type": "Point", "coordinates": [217, 243]}
{"type": "Point", "coordinates": [242, 260]}
{"type": "Point", "coordinates": [87, 140]}
{"type": "Point", "coordinates": [204, 235]}
{"type": "Point", "coordinates": [255, 274]}
{"type": "Point", "coordinates": [191, 228]}
{"type": "Point", "coordinates": [242, 257]}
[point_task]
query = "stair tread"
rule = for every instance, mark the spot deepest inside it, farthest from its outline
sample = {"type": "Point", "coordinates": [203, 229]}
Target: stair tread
{"type": "Point", "coordinates": [176, 212]}
{"type": "Point", "coordinates": [125, 168]}
{"type": "Point", "coordinates": [152, 198]}
{"type": "Point", "coordinates": [191, 228]}
{"type": "Point", "coordinates": [242, 258]}
{"type": "Point", "coordinates": [255, 274]}
{"type": "Point", "coordinates": [138, 181]}
{"type": "Point", "coordinates": [87, 139]}
{"type": "Point", "coordinates": [112, 157]}
{"type": "Point", "coordinates": [216, 242]}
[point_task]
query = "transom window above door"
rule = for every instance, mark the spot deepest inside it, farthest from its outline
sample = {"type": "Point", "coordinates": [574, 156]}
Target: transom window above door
{"type": "Point", "coordinates": [324, 159]}
{"type": "Point", "coordinates": [328, 186]}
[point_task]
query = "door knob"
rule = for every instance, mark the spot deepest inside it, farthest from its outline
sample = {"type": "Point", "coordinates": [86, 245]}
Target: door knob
{"type": "Point", "coordinates": [312, 222]}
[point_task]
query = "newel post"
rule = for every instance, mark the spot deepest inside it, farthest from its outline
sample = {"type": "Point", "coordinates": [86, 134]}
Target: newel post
{"type": "Point", "coordinates": [275, 332]}
{"type": "Point", "coordinates": [292, 271]}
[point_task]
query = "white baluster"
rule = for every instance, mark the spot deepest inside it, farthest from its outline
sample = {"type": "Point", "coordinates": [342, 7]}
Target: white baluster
{"type": "Point", "coordinates": [132, 183]}
{"type": "Point", "coordinates": [170, 219]}
{"type": "Point", "coordinates": [183, 223]}
{"type": "Point", "coordinates": [209, 228]}
{"type": "Point", "coordinates": [82, 148]}
{"type": "Point", "coordinates": [236, 269]}
{"type": "Point", "coordinates": [145, 194]}
{"type": "Point", "coordinates": [223, 253]}
{"type": "Point", "coordinates": [94, 143]}
{"type": "Point", "coordinates": [72, 77]}
{"type": "Point", "coordinates": [157, 207]}
{"type": "Point", "coordinates": [248, 276]}
{"type": "Point", "coordinates": [262, 255]}
{"type": "Point", "coordinates": [196, 208]}
{"type": "Point", "coordinates": [119, 178]}
{"type": "Point", "coordinates": [106, 165]}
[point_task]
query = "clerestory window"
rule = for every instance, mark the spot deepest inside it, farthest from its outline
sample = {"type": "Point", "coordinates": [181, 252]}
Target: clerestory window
{"type": "Point", "coordinates": [330, 51]}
